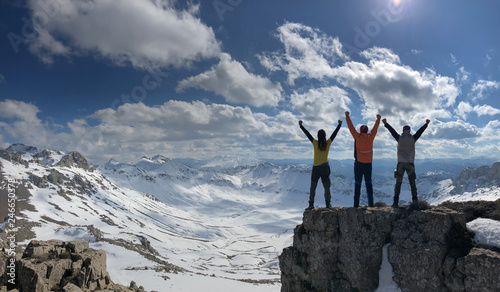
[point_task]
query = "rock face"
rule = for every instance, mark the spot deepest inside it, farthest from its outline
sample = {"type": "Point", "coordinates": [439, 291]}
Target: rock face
{"type": "Point", "coordinates": [470, 178]}
{"type": "Point", "coordinates": [340, 249]}
{"type": "Point", "coordinates": [74, 159]}
{"type": "Point", "coordinates": [63, 266]}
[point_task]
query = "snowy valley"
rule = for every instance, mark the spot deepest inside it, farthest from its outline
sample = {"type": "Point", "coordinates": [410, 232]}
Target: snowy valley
{"type": "Point", "coordinates": [191, 225]}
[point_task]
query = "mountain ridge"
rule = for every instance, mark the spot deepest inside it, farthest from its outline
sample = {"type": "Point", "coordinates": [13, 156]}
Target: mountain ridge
{"type": "Point", "coordinates": [229, 219]}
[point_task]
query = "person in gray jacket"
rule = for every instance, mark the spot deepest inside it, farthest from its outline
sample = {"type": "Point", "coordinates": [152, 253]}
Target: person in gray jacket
{"type": "Point", "coordinates": [406, 160]}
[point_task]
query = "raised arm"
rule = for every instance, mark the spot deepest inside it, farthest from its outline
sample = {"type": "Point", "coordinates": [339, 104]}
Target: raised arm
{"type": "Point", "coordinates": [375, 127]}
{"type": "Point", "coordinates": [334, 134]}
{"type": "Point", "coordinates": [309, 136]}
{"type": "Point", "coordinates": [353, 131]}
{"type": "Point", "coordinates": [421, 130]}
{"type": "Point", "coordinates": [391, 130]}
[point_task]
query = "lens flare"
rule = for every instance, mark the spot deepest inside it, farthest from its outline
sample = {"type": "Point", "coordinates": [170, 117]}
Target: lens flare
{"type": "Point", "coordinates": [395, 8]}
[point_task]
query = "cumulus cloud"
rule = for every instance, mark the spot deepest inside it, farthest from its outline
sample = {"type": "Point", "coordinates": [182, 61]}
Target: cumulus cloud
{"type": "Point", "coordinates": [20, 120]}
{"type": "Point", "coordinates": [144, 33]}
{"type": "Point", "coordinates": [388, 88]}
{"type": "Point", "coordinates": [384, 84]}
{"type": "Point", "coordinates": [482, 86]}
{"type": "Point", "coordinates": [395, 90]}
{"type": "Point", "coordinates": [381, 54]}
{"type": "Point", "coordinates": [325, 105]}
{"type": "Point", "coordinates": [175, 128]}
{"type": "Point", "coordinates": [464, 108]}
{"type": "Point", "coordinates": [232, 81]}
{"type": "Point", "coordinates": [491, 131]}
{"type": "Point", "coordinates": [308, 53]}
{"type": "Point", "coordinates": [455, 130]}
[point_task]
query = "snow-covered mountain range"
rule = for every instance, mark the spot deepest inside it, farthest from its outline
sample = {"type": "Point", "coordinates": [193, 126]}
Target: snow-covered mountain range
{"type": "Point", "coordinates": [185, 224]}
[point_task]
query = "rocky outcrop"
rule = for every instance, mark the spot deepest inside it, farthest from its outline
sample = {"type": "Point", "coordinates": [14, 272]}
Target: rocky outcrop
{"type": "Point", "coordinates": [470, 178]}
{"type": "Point", "coordinates": [74, 159]}
{"type": "Point", "coordinates": [63, 266]}
{"type": "Point", "coordinates": [340, 249]}
{"type": "Point", "coordinates": [13, 157]}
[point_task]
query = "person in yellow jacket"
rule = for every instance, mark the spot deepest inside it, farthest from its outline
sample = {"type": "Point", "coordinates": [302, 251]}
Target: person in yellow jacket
{"type": "Point", "coordinates": [321, 168]}
{"type": "Point", "coordinates": [363, 155]}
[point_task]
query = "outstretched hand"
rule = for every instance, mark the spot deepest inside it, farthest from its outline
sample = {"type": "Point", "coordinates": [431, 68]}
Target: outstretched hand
{"type": "Point", "coordinates": [300, 123]}
{"type": "Point", "coordinates": [427, 121]}
{"type": "Point", "coordinates": [384, 121]}
{"type": "Point", "coordinates": [340, 122]}
{"type": "Point", "coordinates": [347, 114]}
{"type": "Point", "coordinates": [379, 117]}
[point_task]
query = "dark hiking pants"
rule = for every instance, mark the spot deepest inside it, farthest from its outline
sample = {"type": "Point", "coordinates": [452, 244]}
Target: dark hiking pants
{"type": "Point", "coordinates": [363, 170]}
{"type": "Point", "coordinates": [409, 168]}
{"type": "Point", "coordinates": [321, 171]}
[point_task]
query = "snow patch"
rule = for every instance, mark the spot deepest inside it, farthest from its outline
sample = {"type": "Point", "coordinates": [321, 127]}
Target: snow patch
{"type": "Point", "coordinates": [386, 283]}
{"type": "Point", "coordinates": [487, 231]}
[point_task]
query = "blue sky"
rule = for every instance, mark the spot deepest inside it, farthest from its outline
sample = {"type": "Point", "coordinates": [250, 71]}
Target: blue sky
{"type": "Point", "coordinates": [126, 78]}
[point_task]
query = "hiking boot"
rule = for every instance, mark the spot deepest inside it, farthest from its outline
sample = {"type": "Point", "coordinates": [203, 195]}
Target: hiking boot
{"type": "Point", "coordinates": [311, 206]}
{"type": "Point", "coordinates": [395, 202]}
{"type": "Point", "coordinates": [415, 203]}
{"type": "Point", "coordinates": [329, 206]}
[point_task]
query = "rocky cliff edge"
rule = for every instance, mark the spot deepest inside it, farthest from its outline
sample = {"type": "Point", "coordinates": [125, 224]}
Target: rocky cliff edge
{"type": "Point", "coordinates": [340, 249]}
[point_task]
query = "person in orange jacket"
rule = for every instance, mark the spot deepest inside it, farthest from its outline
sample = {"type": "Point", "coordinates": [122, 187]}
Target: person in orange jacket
{"type": "Point", "coordinates": [363, 155]}
{"type": "Point", "coordinates": [321, 168]}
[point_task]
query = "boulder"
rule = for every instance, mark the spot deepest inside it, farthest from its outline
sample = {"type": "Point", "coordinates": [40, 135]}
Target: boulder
{"type": "Point", "coordinates": [69, 266]}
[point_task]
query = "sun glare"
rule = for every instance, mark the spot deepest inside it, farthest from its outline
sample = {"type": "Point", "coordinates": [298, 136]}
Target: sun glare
{"type": "Point", "coordinates": [396, 3]}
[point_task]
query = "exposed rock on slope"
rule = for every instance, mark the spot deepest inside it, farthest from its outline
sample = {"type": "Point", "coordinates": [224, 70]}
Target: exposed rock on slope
{"type": "Point", "coordinates": [340, 249]}
{"type": "Point", "coordinates": [470, 178]}
{"type": "Point", "coordinates": [63, 266]}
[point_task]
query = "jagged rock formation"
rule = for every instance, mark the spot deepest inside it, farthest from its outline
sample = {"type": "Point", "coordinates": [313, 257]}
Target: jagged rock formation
{"type": "Point", "coordinates": [56, 265]}
{"type": "Point", "coordinates": [340, 249]}
{"type": "Point", "coordinates": [470, 178]}
{"type": "Point", "coordinates": [74, 159]}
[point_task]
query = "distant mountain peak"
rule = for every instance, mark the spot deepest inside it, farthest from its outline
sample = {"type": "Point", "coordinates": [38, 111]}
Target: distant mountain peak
{"type": "Point", "coordinates": [157, 159]}
{"type": "Point", "coordinates": [74, 159]}
{"type": "Point", "coordinates": [20, 147]}
{"type": "Point", "coordinates": [161, 158]}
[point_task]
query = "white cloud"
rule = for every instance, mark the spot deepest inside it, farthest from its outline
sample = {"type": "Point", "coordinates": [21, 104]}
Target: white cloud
{"type": "Point", "coordinates": [445, 89]}
{"type": "Point", "coordinates": [308, 53]}
{"type": "Point", "coordinates": [231, 80]}
{"type": "Point", "coordinates": [394, 90]}
{"type": "Point", "coordinates": [464, 108]}
{"type": "Point", "coordinates": [491, 132]}
{"type": "Point", "coordinates": [463, 75]}
{"type": "Point", "coordinates": [384, 84]}
{"type": "Point", "coordinates": [324, 105]}
{"type": "Point", "coordinates": [455, 130]}
{"type": "Point", "coordinates": [486, 110]}
{"type": "Point", "coordinates": [144, 33]}
{"type": "Point", "coordinates": [480, 87]}
{"type": "Point", "coordinates": [2, 79]}
{"type": "Point", "coordinates": [21, 121]}
{"type": "Point", "coordinates": [381, 54]}
{"type": "Point", "coordinates": [175, 129]}
{"type": "Point", "coordinates": [390, 89]}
